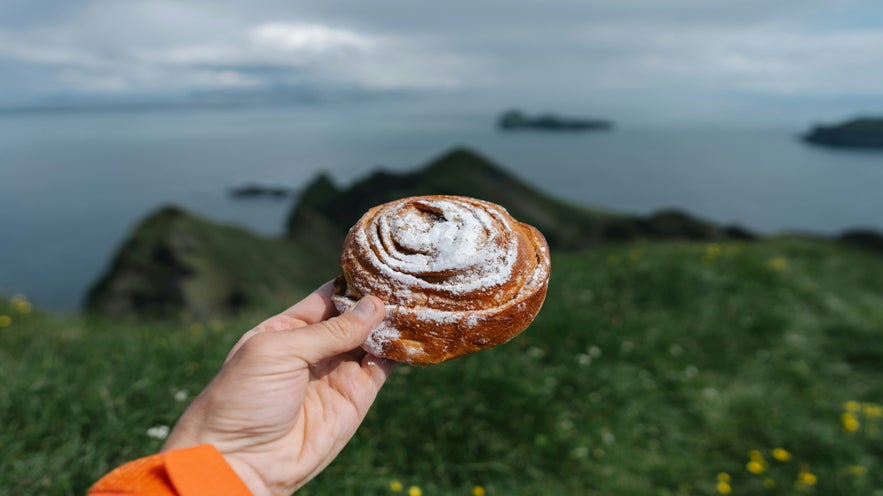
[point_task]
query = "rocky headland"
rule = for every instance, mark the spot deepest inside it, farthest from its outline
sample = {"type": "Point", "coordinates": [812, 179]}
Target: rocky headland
{"type": "Point", "coordinates": [178, 264]}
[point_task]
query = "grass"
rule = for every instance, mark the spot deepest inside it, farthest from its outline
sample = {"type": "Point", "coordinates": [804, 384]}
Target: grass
{"type": "Point", "coordinates": [654, 368]}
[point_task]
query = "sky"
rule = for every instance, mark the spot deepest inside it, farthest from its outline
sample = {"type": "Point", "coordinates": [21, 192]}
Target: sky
{"type": "Point", "coordinates": [645, 60]}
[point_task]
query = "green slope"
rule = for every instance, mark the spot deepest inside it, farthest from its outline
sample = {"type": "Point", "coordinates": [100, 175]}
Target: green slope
{"type": "Point", "coordinates": [178, 264]}
{"type": "Point", "coordinates": [652, 368]}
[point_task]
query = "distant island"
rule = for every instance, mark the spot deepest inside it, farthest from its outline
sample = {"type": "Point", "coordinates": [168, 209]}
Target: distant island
{"type": "Point", "coordinates": [864, 132]}
{"type": "Point", "coordinates": [250, 191]}
{"type": "Point", "coordinates": [515, 119]}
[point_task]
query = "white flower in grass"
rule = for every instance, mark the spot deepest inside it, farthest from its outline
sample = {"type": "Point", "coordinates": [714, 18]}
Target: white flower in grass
{"type": "Point", "coordinates": [181, 395]}
{"type": "Point", "coordinates": [158, 432]}
{"type": "Point", "coordinates": [580, 452]}
{"type": "Point", "coordinates": [535, 352]}
{"type": "Point", "coordinates": [607, 437]}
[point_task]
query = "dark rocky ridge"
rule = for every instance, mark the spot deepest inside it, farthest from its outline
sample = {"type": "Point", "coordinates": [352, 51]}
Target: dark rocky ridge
{"type": "Point", "coordinates": [176, 264]}
{"type": "Point", "coordinates": [324, 208]}
{"type": "Point", "coordinates": [180, 265]}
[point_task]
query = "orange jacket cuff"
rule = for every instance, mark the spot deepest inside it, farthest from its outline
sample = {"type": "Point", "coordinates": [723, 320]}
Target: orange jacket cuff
{"type": "Point", "coordinates": [197, 471]}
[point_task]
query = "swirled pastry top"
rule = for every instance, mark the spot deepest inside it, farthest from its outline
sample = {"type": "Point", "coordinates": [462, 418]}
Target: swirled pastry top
{"type": "Point", "coordinates": [457, 274]}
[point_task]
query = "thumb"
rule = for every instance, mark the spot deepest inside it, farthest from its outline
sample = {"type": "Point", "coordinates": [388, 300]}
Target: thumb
{"type": "Point", "coordinates": [339, 334]}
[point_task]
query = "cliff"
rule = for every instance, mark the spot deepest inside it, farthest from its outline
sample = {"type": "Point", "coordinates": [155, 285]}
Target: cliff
{"type": "Point", "coordinates": [178, 264]}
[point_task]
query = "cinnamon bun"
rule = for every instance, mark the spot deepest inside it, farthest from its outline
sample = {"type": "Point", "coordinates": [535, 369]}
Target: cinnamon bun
{"type": "Point", "coordinates": [458, 275]}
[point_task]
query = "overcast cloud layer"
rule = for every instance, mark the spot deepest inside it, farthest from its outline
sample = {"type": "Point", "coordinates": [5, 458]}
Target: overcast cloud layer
{"type": "Point", "coordinates": [679, 59]}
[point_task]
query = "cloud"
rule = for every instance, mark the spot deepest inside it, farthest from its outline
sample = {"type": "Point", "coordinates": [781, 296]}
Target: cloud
{"type": "Point", "coordinates": [91, 54]}
{"type": "Point", "coordinates": [764, 59]}
{"type": "Point", "coordinates": [636, 52]}
{"type": "Point", "coordinates": [315, 38]}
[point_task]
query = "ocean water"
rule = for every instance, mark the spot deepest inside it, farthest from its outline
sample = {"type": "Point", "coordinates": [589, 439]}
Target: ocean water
{"type": "Point", "coordinates": [73, 185]}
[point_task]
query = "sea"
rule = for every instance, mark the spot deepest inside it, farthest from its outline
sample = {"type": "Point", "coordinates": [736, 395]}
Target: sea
{"type": "Point", "coordinates": [74, 183]}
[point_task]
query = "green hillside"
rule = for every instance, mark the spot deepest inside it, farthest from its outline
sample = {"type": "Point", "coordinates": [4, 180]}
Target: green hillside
{"type": "Point", "coordinates": [178, 264]}
{"type": "Point", "coordinates": [654, 368]}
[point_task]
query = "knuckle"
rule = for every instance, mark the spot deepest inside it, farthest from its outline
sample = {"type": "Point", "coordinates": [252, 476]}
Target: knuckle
{"type": "Point", "coordinates": [337, 329]}
{"type": "Point", "coordinates": [258, 344]}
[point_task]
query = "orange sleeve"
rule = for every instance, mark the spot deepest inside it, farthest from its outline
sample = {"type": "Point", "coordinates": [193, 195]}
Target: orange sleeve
{"type": "Point", "coordinates": [197, 471]}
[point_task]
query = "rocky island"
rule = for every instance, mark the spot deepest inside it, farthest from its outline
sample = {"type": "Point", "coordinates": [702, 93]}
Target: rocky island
{"type": "Point", "coordinates": [516, 120]}
{"type": "Point", "coordinates": [863, 132]}
{"type": "Point", "coordinates": [250, 191]}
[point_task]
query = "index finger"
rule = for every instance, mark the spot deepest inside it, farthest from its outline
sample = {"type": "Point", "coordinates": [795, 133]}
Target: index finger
{"type": "Point", "coordinates": [315, 308]}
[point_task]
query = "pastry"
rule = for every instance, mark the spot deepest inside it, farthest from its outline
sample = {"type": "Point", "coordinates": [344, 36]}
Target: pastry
{"type": "Point", "coordinates": [458, 275]}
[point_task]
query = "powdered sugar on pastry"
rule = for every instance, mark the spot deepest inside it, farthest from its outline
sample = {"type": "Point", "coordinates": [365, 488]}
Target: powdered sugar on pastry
{"type": "Point", "coordinates": [458, 275]}
{"type": "Point", "coordinates": [444, 245]}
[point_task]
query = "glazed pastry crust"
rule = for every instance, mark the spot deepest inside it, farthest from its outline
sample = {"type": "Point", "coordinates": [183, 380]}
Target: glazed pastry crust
{"type": "Point", "coordinates": [458, 275]}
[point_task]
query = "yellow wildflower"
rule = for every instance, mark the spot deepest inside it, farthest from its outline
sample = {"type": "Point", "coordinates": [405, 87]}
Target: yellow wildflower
{"type": "Point", "coordinates": [478, 491]}
{"type": "Point", "coordinates": [852, 406]}
{"type": "Point", "coordinates": [777, 264]}
{"type": "Point", "coordinates": [871, 410]}
{"type": "Point", "coordinates": [756, 467]}
{"type": "Point", "coordinates": [5, 321]}
{"type": "Point", "coordinates": [807, 478]}
{"type": "Point", "coordinates": [849, 422]}
{"type": "Point", "coordinates": [414, 491]}
{"type": "Point", "coordinates": [20, 304]}
{"type": "Point", "coordinates": [858, 470]}
{"type": "Point", "coordinates": [781, 454]}
{"type": "Point", "coordinates": [723, 477]}
{"type": "Point", "coordinates": [612, 259]}
{"type": "Point", "coordinates": [395, 486]}
{"type": "Point", "coordinates": [755, 455]}
{"type": "Point", "coordinates": [724, 487]}
{"type": "Point", "coordinates": [712, 251]}
{"type": "Point", "coordinates": [769, 483]}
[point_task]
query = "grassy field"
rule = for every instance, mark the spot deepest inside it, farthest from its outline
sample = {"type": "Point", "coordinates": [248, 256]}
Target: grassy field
{"type": "Point", "coordinates": [654, 368]}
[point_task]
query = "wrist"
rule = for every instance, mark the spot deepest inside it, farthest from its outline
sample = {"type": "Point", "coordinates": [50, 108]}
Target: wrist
{"type": "Point", "coordinates": [249, 476]}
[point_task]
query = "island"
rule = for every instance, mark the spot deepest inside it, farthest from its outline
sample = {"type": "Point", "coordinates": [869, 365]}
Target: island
{"type": "Point", "coordinates": [863, 132]}
{"type": "Point", "coordinates": [515, 120]}
{"type": "Point", "coordinates": [250, 191]}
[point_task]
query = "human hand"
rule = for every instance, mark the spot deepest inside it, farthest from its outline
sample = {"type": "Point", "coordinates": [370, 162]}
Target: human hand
{"type": "Point", "coordinates": [290, 395]}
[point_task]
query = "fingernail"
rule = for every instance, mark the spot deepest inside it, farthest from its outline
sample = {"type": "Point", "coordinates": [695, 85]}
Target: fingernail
{"type": "Point", "coordinates": [364, 308]}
